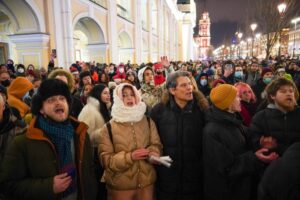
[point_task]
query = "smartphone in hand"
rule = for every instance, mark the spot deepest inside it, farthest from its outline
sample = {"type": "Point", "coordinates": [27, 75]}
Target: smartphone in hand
{"type": "Point", "coordinates": [71, 172]}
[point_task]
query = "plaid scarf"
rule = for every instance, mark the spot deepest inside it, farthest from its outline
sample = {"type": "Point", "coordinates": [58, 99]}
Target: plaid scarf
{"type": "Point", "coordinates": [61, 135]}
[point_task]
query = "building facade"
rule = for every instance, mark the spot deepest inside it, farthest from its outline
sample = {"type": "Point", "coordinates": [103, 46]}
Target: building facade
{"type": "Point", "coordinates": [103, 31]}
{"type": "Point", "coordinates": [203, 38]}
{"type": "Point", "coordinates": [294, 42]}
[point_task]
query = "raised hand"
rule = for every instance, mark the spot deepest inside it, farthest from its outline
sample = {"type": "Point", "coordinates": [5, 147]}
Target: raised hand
{"type": "Point", "coordinates": [164, 61]}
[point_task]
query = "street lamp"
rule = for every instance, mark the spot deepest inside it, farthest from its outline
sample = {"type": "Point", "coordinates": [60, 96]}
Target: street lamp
{"type": "Point", "coordinates": [248, 41]}
{"type": "Point", "coordinates": [295, 21]}
{"type": "Point", "coordinates": [232, 51]}
{"type": "Point", "coordinates": [241, 49]}
{"type": "Point", "coordinates": [257, 36]}
{"type": "Point", "coordinates": [240, 35]}
{"type": "Point", "coordinates": [253, 28]}
{"type": "Point", "coordinates": [281, 9]}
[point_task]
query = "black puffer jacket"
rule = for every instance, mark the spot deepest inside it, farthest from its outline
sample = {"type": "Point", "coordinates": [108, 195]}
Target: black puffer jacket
{"type": "Point", "coordinates": [180, 131]}
{"type": "Point", "coordinates": [258, 89]}
{"type": "Point", "coordinates": [284, 127]}
{"type": "Point", "coordinates": [281, 180]}
{"type": "Point", "coordinates": [228, 163]}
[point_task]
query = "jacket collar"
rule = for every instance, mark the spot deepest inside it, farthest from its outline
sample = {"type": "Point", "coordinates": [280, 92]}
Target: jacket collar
{"type": "Point", "coordinates": [216, 114]}
{"type": "Point", "coordinates": [34, 132]}
{"type": "Point", "coordinates": [187, 109]}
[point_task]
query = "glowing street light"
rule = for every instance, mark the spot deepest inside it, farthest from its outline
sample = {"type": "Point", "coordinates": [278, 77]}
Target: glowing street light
{"type": "Point", "coordinates": [239, 35]}
{"type": "Point", "coordinates": [281, 8]}
{"type": "Point", "coordinates": [257, 36]}
{"type": "Point", "coordinates": [253, 28]}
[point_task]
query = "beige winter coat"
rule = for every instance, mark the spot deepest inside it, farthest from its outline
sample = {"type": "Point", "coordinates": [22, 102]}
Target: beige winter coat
{"type": "Point", "coordinates": [121, 172]}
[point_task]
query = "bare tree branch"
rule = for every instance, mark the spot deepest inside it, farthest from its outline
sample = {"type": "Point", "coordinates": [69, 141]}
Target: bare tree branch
{"type": "Point", "coordinates": [270, 21]}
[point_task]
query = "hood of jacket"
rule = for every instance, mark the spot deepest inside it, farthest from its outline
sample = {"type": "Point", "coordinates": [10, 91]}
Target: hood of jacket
{"type": "Point", "coordinates": [19, 87]}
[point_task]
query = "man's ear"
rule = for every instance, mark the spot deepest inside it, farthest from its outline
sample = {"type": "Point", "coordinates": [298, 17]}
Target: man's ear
{"type": "Point", "coordinates": [42, 111]}
{"type": "Point", "coordinates": [172, 91]}
{"type": "Point", "coordinates": [272, 97]}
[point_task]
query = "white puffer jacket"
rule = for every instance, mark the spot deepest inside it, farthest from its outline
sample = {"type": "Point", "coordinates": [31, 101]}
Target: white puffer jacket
{"type": "Point", "coordinates": [91, 115]}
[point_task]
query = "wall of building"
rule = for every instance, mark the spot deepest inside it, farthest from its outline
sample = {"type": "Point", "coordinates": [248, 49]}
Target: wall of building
{"type": "Point", "coordinates": [89, 31]}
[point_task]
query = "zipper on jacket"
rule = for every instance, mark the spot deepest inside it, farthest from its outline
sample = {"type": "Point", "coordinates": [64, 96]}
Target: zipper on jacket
{"type": "Point", "coordinates": [285, 130]}
{"type": "Point", "coordinates": [180, 132]}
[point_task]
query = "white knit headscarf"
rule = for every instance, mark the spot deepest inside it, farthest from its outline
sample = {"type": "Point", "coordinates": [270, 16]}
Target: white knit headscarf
{"type": "Point", "coordinates": [122, 113]}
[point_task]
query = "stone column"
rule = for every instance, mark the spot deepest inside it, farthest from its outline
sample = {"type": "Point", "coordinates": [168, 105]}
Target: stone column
{"type": "Point", "coordinates": [112, 31]}
{"type": "Point", "coordinates": [138, 31]}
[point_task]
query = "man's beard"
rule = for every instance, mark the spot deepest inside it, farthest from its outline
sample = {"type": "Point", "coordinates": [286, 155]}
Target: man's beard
{"type": "Point", "coordinates": [287, 107]}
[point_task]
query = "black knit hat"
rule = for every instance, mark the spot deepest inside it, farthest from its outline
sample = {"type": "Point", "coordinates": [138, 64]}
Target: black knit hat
{"type": "Point", "coordinates": [49, 88]}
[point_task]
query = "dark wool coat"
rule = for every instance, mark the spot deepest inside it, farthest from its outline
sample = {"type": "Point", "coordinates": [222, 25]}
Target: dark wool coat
{"type": "Point", "coordinates": [229, 164]}
{"type": "Point", "coordinates": [284, 127]}
{"type": "Point", "coordinates": [31, 163]}
{"type": "Point", "coordinates": [180, 131]}
{"type": "Point", "coordinates": [281, 180]}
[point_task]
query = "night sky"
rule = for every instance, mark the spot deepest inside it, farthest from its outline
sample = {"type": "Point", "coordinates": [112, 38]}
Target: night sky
{"type": "Point", "coordinates": [227, 16]}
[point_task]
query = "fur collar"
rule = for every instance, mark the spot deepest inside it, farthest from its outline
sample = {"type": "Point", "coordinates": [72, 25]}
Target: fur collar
{"type": "Point", "coordinates": [198, 96]}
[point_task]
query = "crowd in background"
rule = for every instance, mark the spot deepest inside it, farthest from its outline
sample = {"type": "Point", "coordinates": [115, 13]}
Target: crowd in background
{"type": "Point", "coordinates": [228, 125]}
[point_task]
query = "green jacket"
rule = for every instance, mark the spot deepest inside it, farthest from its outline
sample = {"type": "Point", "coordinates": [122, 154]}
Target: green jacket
{"type": "Point", "coordinates": [31, 163]}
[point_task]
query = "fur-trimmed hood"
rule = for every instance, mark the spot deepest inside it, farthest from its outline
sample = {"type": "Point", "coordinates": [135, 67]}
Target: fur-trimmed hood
{"type": "Point", "coordinates": [62, 72]}
{"type": "Point", "coordinates": [198, 96]}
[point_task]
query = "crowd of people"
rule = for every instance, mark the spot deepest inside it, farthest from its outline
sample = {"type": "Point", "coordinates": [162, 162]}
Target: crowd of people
{"type": "Point", "coordinates": [98, 131]}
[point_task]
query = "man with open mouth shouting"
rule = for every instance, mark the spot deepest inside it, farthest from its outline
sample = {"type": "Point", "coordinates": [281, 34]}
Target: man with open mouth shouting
{"type": "Point", "coordinates": [53, 159]}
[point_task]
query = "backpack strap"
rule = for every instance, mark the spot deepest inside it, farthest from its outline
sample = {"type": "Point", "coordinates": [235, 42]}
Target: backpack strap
{"type": "Point", "coordinates": [108, 125]}
{"type": "Point", "coordinates": [148, 119]}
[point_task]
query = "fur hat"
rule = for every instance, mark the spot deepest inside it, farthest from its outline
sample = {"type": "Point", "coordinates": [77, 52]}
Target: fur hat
{"type": "Point", "coordinates": [223, 96]}
{"type": "Point", "coordinates": [49, 88]}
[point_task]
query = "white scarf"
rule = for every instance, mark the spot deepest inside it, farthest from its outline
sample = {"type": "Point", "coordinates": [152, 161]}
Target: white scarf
{"type": "Point", "coordinates": [122, 113]}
